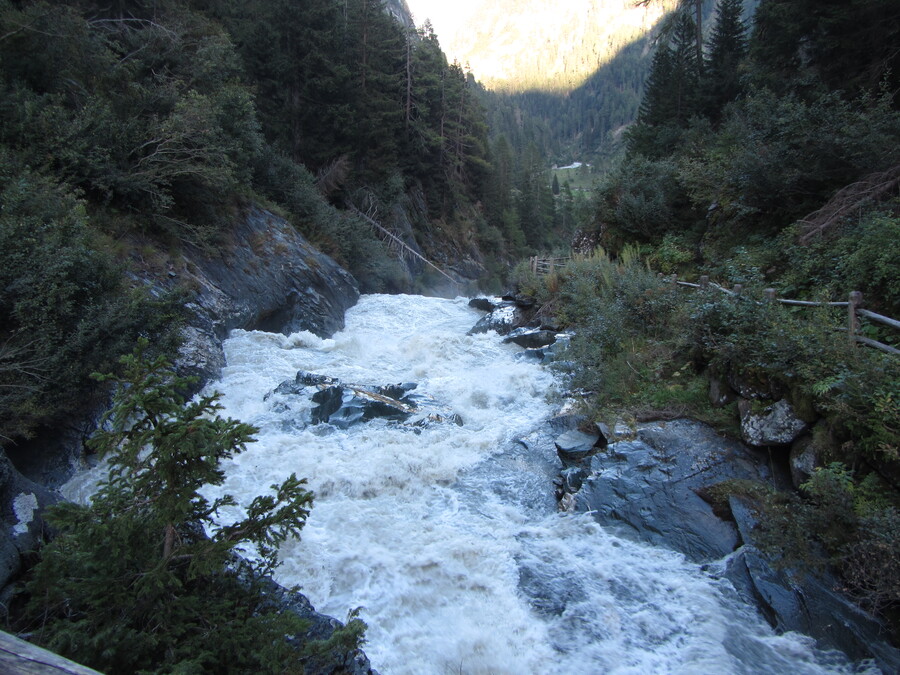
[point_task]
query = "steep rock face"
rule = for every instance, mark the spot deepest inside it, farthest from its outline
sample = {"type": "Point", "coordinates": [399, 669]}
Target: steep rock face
{"type": "Point", "coordinates": [268, 278]}
{"type": "Point", "coordinates": [651, 484]}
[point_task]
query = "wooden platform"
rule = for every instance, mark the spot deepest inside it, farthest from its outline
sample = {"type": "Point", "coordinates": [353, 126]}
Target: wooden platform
{"type": "Point", "coordinates": [18, 657]}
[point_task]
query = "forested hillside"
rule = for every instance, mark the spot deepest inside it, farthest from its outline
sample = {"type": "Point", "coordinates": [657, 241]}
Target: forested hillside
{"type": "Point", "coordinates": [134, 126]}
{"type": "Point", "coordinates": [766, 155]}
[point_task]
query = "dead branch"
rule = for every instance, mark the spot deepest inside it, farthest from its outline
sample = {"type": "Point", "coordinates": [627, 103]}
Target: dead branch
{"type": "Point", "coordinates": [333, 175]}
{"type": "Point", "coordinates": [849, 200]}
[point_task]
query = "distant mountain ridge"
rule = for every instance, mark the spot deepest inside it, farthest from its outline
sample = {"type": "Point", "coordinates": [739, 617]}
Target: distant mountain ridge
{"type": "Point", "coordinates": [520, 45]}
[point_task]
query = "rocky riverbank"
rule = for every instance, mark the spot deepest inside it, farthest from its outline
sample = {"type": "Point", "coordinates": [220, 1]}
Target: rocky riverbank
{"type": "Point", "coordinates": [266, 277]}
{"type": "Point", "coordinates": [657, 483]}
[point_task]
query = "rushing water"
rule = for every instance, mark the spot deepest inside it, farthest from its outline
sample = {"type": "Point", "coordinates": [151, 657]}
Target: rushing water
{"type": "Point", "coordinates": [448, 537]}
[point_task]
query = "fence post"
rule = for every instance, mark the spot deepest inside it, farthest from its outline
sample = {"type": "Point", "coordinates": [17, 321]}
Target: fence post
{"type": "Point", "coordinates": [704, 282]}
{"type": "Point", "coordinates": [770, 294]}
{"type": "Point", "coordinates": [852, 319]}
{"type": "Point", "coordinates": [534, 265]}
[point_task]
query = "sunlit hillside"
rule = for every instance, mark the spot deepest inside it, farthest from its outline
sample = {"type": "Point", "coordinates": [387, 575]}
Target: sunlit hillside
{"type": "Point", "coordinates": [517, 45]}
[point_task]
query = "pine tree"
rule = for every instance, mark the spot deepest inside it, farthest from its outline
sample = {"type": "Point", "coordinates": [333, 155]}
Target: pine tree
{"type": "Point", "coordinates": [727, 48]}
{"type": "Point", "coordinates": [132, 583]}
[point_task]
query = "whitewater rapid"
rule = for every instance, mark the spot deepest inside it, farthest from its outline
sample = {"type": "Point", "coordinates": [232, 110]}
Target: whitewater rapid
{"type": "Point", "coordinates": [448, 538]}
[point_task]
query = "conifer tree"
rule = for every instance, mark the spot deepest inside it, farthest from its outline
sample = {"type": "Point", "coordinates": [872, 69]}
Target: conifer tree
{"type": "Point", "coordinates": [727, 48]}
{"type": "Point", "coordinates": [132, 583]}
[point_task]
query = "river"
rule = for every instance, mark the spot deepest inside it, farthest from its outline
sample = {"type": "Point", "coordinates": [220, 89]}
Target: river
{"type": "Point", "coordinates": [448, 537]}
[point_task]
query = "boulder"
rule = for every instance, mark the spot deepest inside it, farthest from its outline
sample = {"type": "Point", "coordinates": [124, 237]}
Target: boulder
{"type": "Point", "coordinates": [575, 446]}
{"type": "Point", "coordinates": [483, 304]}
{"type": "Point", "coordinates": [807, 602]}
{"type": "Point", "coordinates": [755, 386]}
{"type": "Point", "coordinates": [803, 460]}
{"type": "Point", "coordinates": [536, 355]}
{"type": "Point", "coordinates": [530, 338]}
{"type": "Point", "coordinates": [269, 278]}
{"type": "Point", "coordinates": [720, 393]}
{"type": "Point", "coordinates": [775, 424]}
{"type": "Point", "coordinates": [503, 319]}
{"type": "Point", "coordinates": [650, 486]}
{"type": "Point", "coordinates": [22, 503]}
{"type": "Point", "coordinates": [344, 405]}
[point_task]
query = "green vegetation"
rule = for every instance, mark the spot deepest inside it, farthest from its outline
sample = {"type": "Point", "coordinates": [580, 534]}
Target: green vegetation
{"type": "Point", "coordinates": [131, 131]}
{"type": "Point", "coordinates": [131, 584]}
{"type": "Point", "coordinates": [771, 162]}
{"type": "Point", "coordinates": [647, 349]}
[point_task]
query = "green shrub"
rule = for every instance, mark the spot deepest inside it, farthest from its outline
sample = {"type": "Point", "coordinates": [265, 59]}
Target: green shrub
{"type": "Point", "coordinates": [131, 584]}
{"type": "Point", "coordinates": [65, 309]}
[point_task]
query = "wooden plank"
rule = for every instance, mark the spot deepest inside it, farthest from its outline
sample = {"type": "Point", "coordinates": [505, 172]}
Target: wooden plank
{"type": "Point", "coordinates": [879, 317]}
{"type": "Point", "coordinates": [878, 345]}
{"type": "Point", "coordinates": [18, 657]}
{"type": "Point", "coordinates": [809, 303]}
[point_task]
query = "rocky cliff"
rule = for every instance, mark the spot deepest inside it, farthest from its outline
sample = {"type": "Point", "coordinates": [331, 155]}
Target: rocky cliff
{"type": "Point", "coordinates": [265, 276]}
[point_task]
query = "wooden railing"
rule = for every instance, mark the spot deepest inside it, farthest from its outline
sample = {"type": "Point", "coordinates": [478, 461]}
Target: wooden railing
{"type": "Point", "coordinates": [542, 266]}
{"type": "Point", "coordinates": [853, 305]}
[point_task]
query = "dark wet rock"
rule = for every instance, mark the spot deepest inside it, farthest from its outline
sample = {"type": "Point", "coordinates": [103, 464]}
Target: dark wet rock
{"type": "Point", "coordinates": [566, 422]}
{"type": "Point", "coordinates": [523, 300]}
{"type": "Point", "coordinates": [269, 278]}
{"type": "Point", "coordinates": [650, 485]}
{"type": "Point", "coordinates": [503, 319]}
{"type": "Point", "coordinates": [530, 338]}
{"type": "Point", "coordinates": [720, 393]}
{"type": "Point", "coordinates": [536, 355]}
{"type": "Point", "coordinates": [775, 424]}
{"type": "Point", "coordinates": [22, 503]}
{"type": "Point", "coordinates": [803, 460]}
{"type": "Point", "coordinates": [575, 446]}
{"type": "Point", "coordinates": [572, 479]}
{"type": "Point", "coordinates": [483, 304]}
{"type": "Point", "coordinates": [807, 602]}
{"type": "Point", "coordinates": [343, 405]}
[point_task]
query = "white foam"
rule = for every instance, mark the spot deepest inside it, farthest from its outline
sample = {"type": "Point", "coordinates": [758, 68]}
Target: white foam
{"type": "Point", "coordinates": [443, 537]}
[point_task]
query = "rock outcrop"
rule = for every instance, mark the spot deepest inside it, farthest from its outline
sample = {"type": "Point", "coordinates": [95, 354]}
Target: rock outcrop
{"type": "Point", "coordinates": [343, 405]}
{"type": "Point", "coordinates": [651, 484]}
{"type": "Point", "coordinates": [268, 278]}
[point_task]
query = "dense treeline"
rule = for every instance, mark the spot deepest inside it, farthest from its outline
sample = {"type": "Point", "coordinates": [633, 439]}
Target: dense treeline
{"type": "Point", "coordinates": [133, 123]}
{"type": "Point", "coordinates": [767, 155]}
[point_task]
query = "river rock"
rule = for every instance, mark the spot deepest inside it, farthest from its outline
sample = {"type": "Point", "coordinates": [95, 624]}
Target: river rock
{"type": "Point", "coordinates": [575, 446]}
{"type": "Point", "coordinates": [806, 602]}
{"type": "Point", "coordinates": [343, 405]}
{"type": "Point", "coordinates": [776, 424]}
{"type": "Point", "coordinates": [268, 278]}
{"type": "Point", "coordinates": [649, 485]}
{"type": "Point", "coordinates": [22, 503]}
{"type": "Point", "coordinates": [484, 304]}
{"type": "Point", "coordinates": [502, 320]}
{"type": "Point", "coordinates": [530, 338]}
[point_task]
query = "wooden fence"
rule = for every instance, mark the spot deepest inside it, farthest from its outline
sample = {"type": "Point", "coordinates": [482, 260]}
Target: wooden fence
{"type": "Point", "coordinates": [546, 265]}
{"type": "Point", "coordinates": [853, 303]}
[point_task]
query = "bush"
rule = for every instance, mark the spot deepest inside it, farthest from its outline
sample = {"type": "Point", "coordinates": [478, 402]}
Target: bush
{"type": "Point", "coordinates": [131, 583]}
{"type": "Point", "coordinates": [65, 310]}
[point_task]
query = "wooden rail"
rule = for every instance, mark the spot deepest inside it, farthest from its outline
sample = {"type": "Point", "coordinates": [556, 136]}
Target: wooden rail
{"type": "Point", "coordinates": [18, 657]}
{"type": "Point", "coordinates": [545, 266]}
{"type": "Point", "coordinates": [853, 305]}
